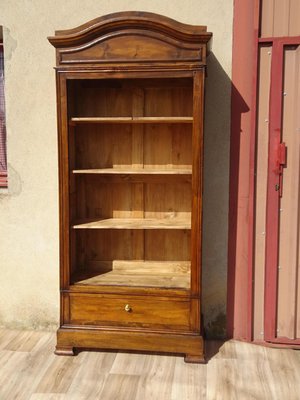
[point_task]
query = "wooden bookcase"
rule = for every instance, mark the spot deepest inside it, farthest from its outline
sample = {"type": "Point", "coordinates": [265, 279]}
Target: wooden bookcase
{"type": "Point", "coordinates": [130, 92]}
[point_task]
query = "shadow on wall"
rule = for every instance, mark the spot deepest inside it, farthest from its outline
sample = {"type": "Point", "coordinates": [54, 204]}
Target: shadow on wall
{"type": "Point", "coordinates": [216, 194]}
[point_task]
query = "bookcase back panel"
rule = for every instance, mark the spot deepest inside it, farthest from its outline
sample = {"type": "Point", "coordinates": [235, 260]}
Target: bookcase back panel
{"type": "Point", "coordinates": [168, 146]}
{"type": "Point", "coordinates": [108, 146]}
{"type": "Point", "coordinates": [90, 100]}
{"type": "Point", "coordinates": [132, 258]}
{"type": "Point", "coordinates": [124, 98]}
{"type": "Point", "coordinates": [168, 245]}
{"type": "Point", "coordinates": [96, 199]}
{"type": "Point", "coordinates": [103, 146]}
{"type": "Point", "coordinates": [172, 101]}
{"type": "Point", "coordinates": [109, 245]}
{"type": "Point", "coordinates": [167, 200]}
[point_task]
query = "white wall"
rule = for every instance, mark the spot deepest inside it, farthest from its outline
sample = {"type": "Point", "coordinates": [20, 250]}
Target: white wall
{"type": "Point", "coordinates": [29, 248]}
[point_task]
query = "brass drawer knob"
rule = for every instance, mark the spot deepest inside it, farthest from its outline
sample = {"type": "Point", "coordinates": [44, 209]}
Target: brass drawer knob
{"type": "Point", "coordinates": [127, 308]}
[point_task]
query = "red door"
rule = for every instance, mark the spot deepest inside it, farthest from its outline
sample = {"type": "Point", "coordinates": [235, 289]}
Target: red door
{"type": "Point", "coordinates": [282, 279]}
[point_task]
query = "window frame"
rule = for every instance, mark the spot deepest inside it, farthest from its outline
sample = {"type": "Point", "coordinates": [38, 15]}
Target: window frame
{"type": "Point", "coordinates": [3, 143]}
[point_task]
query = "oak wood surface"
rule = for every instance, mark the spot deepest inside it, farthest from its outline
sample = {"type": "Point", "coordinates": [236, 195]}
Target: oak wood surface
{"type": "Point", "coordinates": [134, 38]}
{"type": "Point", "coordinates": [130, 123]}
{"type": "Point", "coordinates": [161, 280]}
{"type": "Point", "coordinates": [140, 171]}
{"type": "Point", "coordinates": [131, 120]}
{"type": "Point", "coordinates": [140, 266]}
{"type": "Point", "coordinates": [130, 18]}
{"type": "Point", "coordinates": [136, 223]}
{"type": "Point", "coordinates": [160, 274]}
{"type": "Point", "coordinates": [105, 310]}
{"type": "Point", "coordinates": [131, 339]}
{"type": "Point", "coordinates": [96, 246]}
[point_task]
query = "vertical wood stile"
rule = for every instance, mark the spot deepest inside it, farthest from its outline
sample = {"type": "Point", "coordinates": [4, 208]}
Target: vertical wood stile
{"type": "Point", "coordinates": [64, 211]}
{"type": "Point", "coordinates": [261, 189]}
{"type": "Point", "coordinates": [196, 231]}
{"type": "Point", "coordinates": [297, 131]}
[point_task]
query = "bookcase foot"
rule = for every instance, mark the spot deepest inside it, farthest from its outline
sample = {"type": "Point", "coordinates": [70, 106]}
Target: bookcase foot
{"type": "Point", "coordinates": [64, 351]}
{"type": "Point", "coordinates": [195, 358]}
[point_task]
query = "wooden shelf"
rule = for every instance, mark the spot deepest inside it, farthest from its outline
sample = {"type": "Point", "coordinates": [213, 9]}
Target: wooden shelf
{"type": "Point", "coordinates": [134, 223]}
{"type": "Point", "coordinates": [162, 274]}
{"type": "Point", "coordinates": [131, 120]}
{"type": "Point", "coordinates": [132, 171]}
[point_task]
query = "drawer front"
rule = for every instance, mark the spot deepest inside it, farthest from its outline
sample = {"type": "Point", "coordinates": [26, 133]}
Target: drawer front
{"type": "Point", "coordinates": [131, 311]}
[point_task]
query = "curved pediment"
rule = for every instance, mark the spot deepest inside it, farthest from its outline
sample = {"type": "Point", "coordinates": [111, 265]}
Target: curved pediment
{"type": "Point", "coordinates": [131, 37]}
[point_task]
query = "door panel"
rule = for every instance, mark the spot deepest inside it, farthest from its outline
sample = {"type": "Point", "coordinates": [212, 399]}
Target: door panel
{"type": "Point", "coordinates": [282, 285]}
{"type": "Point", "coordinates": [289, 245]}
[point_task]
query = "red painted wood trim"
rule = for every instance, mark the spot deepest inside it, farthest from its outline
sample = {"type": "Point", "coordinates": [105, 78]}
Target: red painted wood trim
{"type": "Point", "coordinates": [3, 179]}
{"type": "Point", "coordinates": [272, 215]}
{"type": "Point", "coordinates": [284, 39]}
{"type": "Point", "coordinates": [243, 100]}
{"type": "Point", "coordinates": [277, 345]}
{"type": "Point", "coordinates": [233, 190]}
{"type": "Point", "coordinates": [3, 172]}
{"type": "Point", "coordinates": [252, 178]}
{"type": "Point", "coordinates": [285, 340]}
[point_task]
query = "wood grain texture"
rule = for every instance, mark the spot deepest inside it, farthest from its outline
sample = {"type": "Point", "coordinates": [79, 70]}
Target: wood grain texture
{"type": "Point", "coordinates": [171, 340]}
{"type": "Point", "coordinates": [164, 146]}
{"type": "Point", "coordinates": [130, 113]}
{"type": "Point", "coordinates": [235, 370]}
{"type": "Point", "coordinates": [162, 274]}
{"type": "Point", "coordinates": [112, 278]}
{"type": "Point", "coordinates": [136, 223]}
{"type": "Point", "coordinates": [137, 171]}
{"type": "Point", "coordinates": [106, 249]}
{"type": "Point", "coordinates": [197, 141]}
{"type": "Point", "coordinates": [111, 310]}
{"type": "Point", "coordinates": [131, 18]}
{"type": "Point", "coordinates": [134, 38]}
{"type": "Point", "coordinates": [131, 120]}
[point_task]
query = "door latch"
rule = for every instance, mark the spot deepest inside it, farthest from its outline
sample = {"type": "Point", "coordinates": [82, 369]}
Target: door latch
{"type": "Point", "coordinates": [281, 162]}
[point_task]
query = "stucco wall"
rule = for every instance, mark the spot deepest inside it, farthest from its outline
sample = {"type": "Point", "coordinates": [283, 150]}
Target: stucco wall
{"type": "Point", "coordinates": [29, 245]}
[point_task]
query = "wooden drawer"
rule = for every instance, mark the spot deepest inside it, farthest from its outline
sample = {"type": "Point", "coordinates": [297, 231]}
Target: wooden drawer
{"type": "Point", "coordinates": [134, 311]}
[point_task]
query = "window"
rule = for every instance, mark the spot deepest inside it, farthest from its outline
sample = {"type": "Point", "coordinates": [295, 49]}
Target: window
{"type": "Point", "coordinates": [3, 158]}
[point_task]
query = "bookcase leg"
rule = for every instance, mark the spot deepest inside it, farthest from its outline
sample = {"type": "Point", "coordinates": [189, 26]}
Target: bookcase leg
{"type": "Point", "coordinates": [195, 358]}
{"type": "Point", "coordinates": [64, 351]}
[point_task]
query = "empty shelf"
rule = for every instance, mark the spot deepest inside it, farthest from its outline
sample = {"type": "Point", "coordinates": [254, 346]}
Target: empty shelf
{"type": "Point", "coordinates": [164, 274]}
{"type": "Point", "coordinates": [131, 120]}
{"type": "Point", "coordinates": [135, 223]}
{"type": "Point", "coordinates": [132, 171]}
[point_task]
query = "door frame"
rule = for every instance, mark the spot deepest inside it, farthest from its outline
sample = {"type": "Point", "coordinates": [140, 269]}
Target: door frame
{"type": "Point", "coordinates": [241, 231]}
